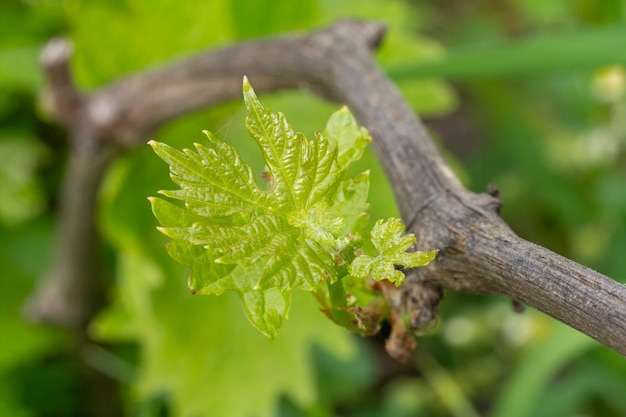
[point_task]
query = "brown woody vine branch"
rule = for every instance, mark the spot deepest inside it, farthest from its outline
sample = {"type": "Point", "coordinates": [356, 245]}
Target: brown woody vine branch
{"type": "Point", "coordinates": [478, 251]}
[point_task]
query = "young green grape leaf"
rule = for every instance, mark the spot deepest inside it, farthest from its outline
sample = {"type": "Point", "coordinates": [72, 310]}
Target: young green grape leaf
{"type": "Point", "coordinates": [389, 240]}
{"type": "Point", "coordinates": [261, 243]}
{"type": "Point", "coordinates": [301, 232]}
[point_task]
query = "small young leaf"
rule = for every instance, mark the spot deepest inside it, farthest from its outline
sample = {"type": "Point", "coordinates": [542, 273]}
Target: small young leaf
{"type": "Point", "coordinates": [387, 237]}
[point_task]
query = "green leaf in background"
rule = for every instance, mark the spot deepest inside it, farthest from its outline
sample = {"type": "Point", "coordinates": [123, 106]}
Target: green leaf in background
{"type": "Point", "coordinates": [142, 33]}
{"type": "Point", "coordinates": [24, 250]}
{"type": "Point", "coordinates": [585, 49]}
{"type": "Point", "coordinates": [19, 68]}
{"type": "Point", "coordinates": [21, 194]}
{"type": "Point", "coordinates": [255, 18]}
{"type": "Point", "coordinates": [403, 46]}
{"type": "Point", "coordinates": [206, 358]}
{"type": "Point", "coordinates": [582, 381]}
{"type": "Point", "coordinates": [23, 29]}
{"type": "Point", "coordinates": [539, 364]}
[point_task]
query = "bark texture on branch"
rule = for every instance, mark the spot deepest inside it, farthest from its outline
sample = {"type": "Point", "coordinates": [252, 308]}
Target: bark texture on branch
{"type": "Point", "coordinates": [478, 251]}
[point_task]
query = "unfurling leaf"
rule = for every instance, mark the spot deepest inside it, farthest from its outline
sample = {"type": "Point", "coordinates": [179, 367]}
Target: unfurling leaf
{"type": "Point", "coordinates": [389, 240]}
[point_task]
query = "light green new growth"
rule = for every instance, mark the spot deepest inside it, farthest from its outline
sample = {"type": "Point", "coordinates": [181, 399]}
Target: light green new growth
{"type": "Point", "coordinates": [387, 237]}
{"type": "Point", "coordinates": [297, 233]}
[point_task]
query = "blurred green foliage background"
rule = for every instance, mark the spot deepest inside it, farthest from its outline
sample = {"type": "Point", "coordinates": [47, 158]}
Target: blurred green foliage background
{"type": "Point", "coordinates": [525, 94]}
